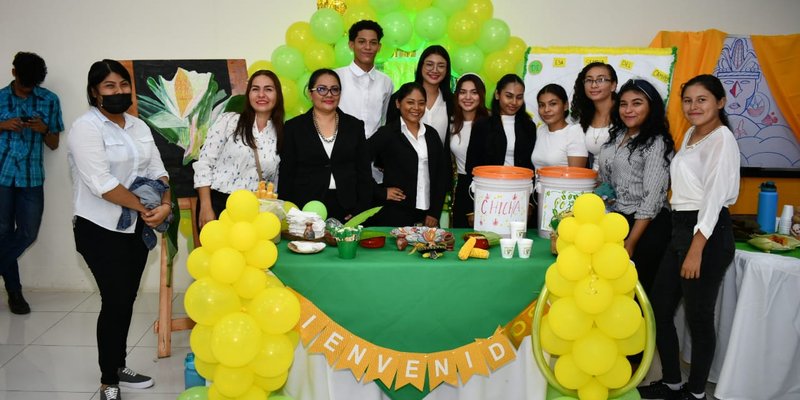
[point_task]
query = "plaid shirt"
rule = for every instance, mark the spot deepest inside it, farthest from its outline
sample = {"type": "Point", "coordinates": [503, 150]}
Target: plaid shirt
{"type": "Point", "coordinates": [21, 152]}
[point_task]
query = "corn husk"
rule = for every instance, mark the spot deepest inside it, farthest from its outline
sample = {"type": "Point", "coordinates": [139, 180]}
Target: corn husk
{"type": "Point", "coordinates": [774, 242]}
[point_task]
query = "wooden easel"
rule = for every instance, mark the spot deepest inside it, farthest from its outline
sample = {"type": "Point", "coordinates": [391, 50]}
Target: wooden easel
{"type": "Point", "coordinates": [165, 324]}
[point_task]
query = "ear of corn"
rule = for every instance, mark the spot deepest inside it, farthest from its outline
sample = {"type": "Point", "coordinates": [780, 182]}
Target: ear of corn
{"type": "Point", "coordinates": [465, 250]}
{"type": "Point", "coordinates": [479, 253]}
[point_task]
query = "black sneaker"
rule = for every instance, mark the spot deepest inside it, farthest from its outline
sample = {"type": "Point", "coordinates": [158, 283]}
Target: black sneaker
{"type": "Point", "coordinates": [129, 378]}
{"type": "Point", "coordinates": [659, 390]}
{"type": "Point", "coordinates": [17, 303]}
{"type": "Point", "coordinates": [687, 395]}
{"type": "Point", "coordinates": [111, 392]}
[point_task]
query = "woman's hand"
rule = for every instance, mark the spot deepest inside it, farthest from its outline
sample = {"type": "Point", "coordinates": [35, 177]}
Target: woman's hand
{"type": "Point", "coordinates": [431, 222]}
{"type": "Point", "coordinates": [630, 246]}
{"type": "Point", "coordinates": [691, 265]}
{"type": "Point", "coordinates": [155, 216]}
{"type": "Point", "coordinates": [395, 194]}
{"type": "Point", "coordinates": [206, 214]}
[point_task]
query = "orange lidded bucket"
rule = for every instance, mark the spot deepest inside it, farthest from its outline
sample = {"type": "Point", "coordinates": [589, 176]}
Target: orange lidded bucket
{"type": "Point", "coordinates": [557, 189]}
{"type": "Point", "coordinates": [501, 196]}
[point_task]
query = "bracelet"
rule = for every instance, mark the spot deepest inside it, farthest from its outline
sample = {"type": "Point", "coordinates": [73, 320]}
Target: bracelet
{"type": "Point", "coordinates": [167, 204]}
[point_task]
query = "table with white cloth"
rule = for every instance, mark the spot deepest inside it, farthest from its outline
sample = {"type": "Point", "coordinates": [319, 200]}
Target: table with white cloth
{"type": "Point", "coordinates": [758, 328]}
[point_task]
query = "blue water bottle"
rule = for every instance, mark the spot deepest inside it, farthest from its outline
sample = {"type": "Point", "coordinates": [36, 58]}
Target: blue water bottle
{"type": "Point", "coordinates": [190, 376]}
{"type": "Point", "coordinates": [767, 206]}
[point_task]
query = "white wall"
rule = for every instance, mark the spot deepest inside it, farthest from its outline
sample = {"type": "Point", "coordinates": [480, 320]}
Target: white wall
{"type": "Point", "coordinates": [70, 35]}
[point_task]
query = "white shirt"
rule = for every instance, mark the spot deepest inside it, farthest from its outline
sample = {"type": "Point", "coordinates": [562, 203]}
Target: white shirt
{"type": "Point", "coordinates": [553, 148]}
{"type": "Point", "coordinates": [458, 146]}
{"type": "Point", "coordinates": [423, 179]}
{"type": "Point", "coordinates": [595, 138]}
{"type": "Point", "coordinates": [511, 138]}
{"type": "Point", "coordinates": [227, 165]}
{"type": "Point", "coordinates": [101, 156]}
{"type": "Point", "coordinates": [437, 117]}
{"type": "Point", "coordinates": [705, 177]}
{"type": "Point", "coordinates": [365, 95]}
{"type": "Point", "coordinates": [328, 146]}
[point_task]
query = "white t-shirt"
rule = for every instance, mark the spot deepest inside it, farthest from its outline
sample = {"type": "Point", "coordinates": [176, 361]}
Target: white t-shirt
{"type": "Point", "coordinates": [595, 138]}
{"type": "Point", "coordinates": [458, 146]}
{"type": "Point", "coordinates": [365, 95]}
{"type": "Point", "coordinates": [511, 138]}
{"type": "Point", "coordinates": [437, 117]}
{"type": "Point", "coordinates": [423, 179]}
{"type": "Point", "coordinates": [553, 148]}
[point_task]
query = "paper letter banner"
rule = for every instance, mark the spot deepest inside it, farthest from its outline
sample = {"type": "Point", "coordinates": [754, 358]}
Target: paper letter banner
{"type": "Point", "coordinates": [442, 368]}
{"type": "Point", "coordinates": [498, 350]}
{"type": "Point", "coordinates": [383, 366]}
{"type": "Point", "coordinates": [469, 361]}
{"type": "Point", "coordinates": [411, 369]}
{"type": "Point", "coordinates": [355, 356]}
{"type": "Point", "coordinates": [561, 65]}
{"type": "Point", "coordinates": [312, 320]}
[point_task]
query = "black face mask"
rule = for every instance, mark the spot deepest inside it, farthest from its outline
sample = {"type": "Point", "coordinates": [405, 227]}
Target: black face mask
{"type": "Point", "coordinates": [116, 103]}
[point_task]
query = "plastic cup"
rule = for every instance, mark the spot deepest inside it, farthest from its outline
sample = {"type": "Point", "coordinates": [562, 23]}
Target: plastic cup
{"type": "Point", "coordinates": [517, 229]}
{"type": "Point", "coordinates": [507, 247]}
{"type": "Point", "coordinates": [347, 248]}
{"type": "Point", "coordinates": [524, 247]}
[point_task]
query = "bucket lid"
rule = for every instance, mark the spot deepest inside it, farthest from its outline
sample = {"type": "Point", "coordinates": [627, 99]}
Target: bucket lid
{"type": "Point", "coordinates": [567, 172]}
{"type": "Point", "coordinates": [502, 172]}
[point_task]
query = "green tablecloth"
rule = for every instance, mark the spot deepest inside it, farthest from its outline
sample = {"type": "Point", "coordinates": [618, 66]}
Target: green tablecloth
{"type": "Point", "coordinates": [407, 303]}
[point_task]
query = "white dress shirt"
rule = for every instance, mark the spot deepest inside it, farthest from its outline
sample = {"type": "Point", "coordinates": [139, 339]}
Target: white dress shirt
{"type": "Point", "coordinates": [458, 146]}
{"type": "Point", "coordinates": [423, 179]}
{"type": "Point", "coordinates": [595, 138]}
{"type": "Point", "coordinates": [365, 95]}
{"type": "Point", "coordinates": [437, 117]}
{"type": "Point", "coordinates": [705, 177]}
{"type": "Point", "coordinates": [553, 148]}
{"type": "Point", "coordinates": [102, 156]}
{"type": "Point", "coordinates": [511, 138]}
{"type": "Point", "coordinates": [227, 165]}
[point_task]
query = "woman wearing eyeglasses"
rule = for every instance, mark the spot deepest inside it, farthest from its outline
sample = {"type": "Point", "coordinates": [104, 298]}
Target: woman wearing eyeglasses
{"type": "Point", "coordinates": [325, 155]}
{"type": "Point", "coordinates": [592, 101]}
{"type": "Point", "coordinates": [635, 162]}
{"type": "Point", "coordinates": [241, 149]}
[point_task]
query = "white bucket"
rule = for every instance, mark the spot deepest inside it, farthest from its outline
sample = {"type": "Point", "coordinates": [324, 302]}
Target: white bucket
{"type": "Point", "coordinates": [557, 188]}
{"type": "Point", "coordinates": [501, 195]}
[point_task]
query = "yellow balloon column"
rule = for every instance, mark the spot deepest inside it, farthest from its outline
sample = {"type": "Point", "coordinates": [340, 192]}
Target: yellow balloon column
{"type": "Point", "coordinates": [594, 321]}
{"type": "Point", "coordinates": [242, 341]}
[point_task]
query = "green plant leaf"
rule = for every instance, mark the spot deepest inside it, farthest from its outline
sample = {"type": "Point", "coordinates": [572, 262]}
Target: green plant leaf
{"type": "Point", "coordinates": [360, 218]}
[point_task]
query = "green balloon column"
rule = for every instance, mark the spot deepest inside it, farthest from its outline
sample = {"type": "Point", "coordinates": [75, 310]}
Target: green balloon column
{"type": "Point", "coordinates": [477, 42]}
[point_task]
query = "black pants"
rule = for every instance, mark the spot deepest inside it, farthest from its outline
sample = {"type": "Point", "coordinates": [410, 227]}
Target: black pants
{"type": "Point", "coordinates": [462, 203]}
{"type": "Point", "coordinates": [334, 208]}
{"type": "Point", "coordinates": [651, 247]}
{"type": "Point", "coordinates": [218, 201]}
{"type": "Point", "coordinates": [699, 296]}
{"type": "Point", "coordinates": [117, 261]}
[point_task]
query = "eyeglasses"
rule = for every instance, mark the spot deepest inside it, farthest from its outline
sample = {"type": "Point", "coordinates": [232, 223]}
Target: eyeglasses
{"type": "Point", "coordinates": [430, 66]}
{"type": "Point", "coordinates": [599, 81]}
{"type": "Point", "coordinates": [324, 90]}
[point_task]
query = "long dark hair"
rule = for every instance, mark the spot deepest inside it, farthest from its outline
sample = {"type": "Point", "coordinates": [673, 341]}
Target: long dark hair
{"type": "Point", "coordinates": [98, 72]}
{"type": "Point", "coordinates": [582, 107]}
{"type": "Point", "coordinates": [312, 79]}
{"type": "Point", "coordinates": [655, 125]}
{"type": "Point", "coordinates": [558, 91]}
{"type": "Point", "coordinates": [506, 80]}
{"type": "Point", "coordinates": [444, 85]}
{"type": "Point", "coordinates": [713, 85]}
{"type": "Point", "coordinates": [244, 128]}
{"type": "Point", "coordinates": [458, 112]}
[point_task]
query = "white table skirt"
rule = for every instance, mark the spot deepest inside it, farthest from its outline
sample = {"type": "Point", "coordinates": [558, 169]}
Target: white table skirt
{"type": "Point", "coordinates": [310, 378]}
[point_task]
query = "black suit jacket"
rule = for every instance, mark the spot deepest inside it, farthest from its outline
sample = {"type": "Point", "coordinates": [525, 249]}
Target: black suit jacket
{"type": "Point", "coordinates": [392, 152]}
{"type": "Point", "coordinates": [305, 168]}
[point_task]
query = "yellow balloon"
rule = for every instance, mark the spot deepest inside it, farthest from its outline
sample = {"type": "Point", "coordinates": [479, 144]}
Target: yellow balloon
{"type": "Point", "coordinates": [611, 261]}
{"type": "Point", "coordinates": [562, 244]}
{"type": "Point", "coordinates": [464, 28]}
{"type": "Point", "coordinates": [551, 343]}
{"type": "Point", "coordinates": [251, 282]}
{"type": "Point", "coordinates": [355, 13]}
{"type": "Point", "coordinates": [567, 320]}
{"type": "Point", "coordinates": [633, 344]}
{"type": "Point", "coordinates": [259, 65]}
{"type": "Point", "coordinates": [214, 394]}
{"type": "Point", "coordinates": [568, 374]}
{"type": "Point", "coordinates": [242, 205]}
{"type": "Point", "coordinates": [225, 218]}
{"type": "Point", "coordinates": [589, 239]}
{"type": "Point", "coordinates": [573, 264]}
{"type": "Point", "coordinates": [254, 393]}
{"type": "Point", "coordinates": [276, 310]}
{"type": "Point", "coordinates": [288, 205]}
{"type": "Point", "coordinates": [299, 35]}
{"type": "Point", "coordinates": [233, 382]}
{"type": "Point", "coordinates": [271, 384]}
{"type": "Point", "coordinates": [568, 228]}
{"type": "Point", "coordinates": [274, 357]}
{"type": "Point", "coordinates": [618, 375]}
{"type": "Point", "coordinates": [267, 225]}
{"type": "Point", "coordinates": [556, 283]}
{"type": "Point", "coordinates": [593, 390]}
{"type": "Point", "coordinates": [593, 294]}
{"type": "Point", "coordinates": [242, 236]}
{"type": "Point", "coordinates": [263, 255]}
{"type": "Point", "coordinates": [235, 340]}
{"type": "Point", "coordinates": [589, 208]}
{"type": "Point", "coordinates": [481, 9]}
{"type": "Point", "coordinates": [294, 336]}
{"type": "Point", "coordinates": [627, 282]}
{"type": "Point", "coordinates": [621, 319]}
{"type": "Point", "coordinates": [615, 227]}
{"type": "Point", "coordinates": [205, 369]}
{"type": "Point", "coordinates": [227, 265]}
{"type": "Point", "coordinates": [595, 353]}
{"type": "Point", "coordinates": [273, 281]}
{"type": "Point", "coordinates": [214, 236]}
{"type": "Point", "coordinates": [515, 48]}
{"type": "Point", "coordinates": [207, 300]}
{"type": "Point", "coordinates": [200, 341]}
{"type": "Point", "coordinates": [197, 262]}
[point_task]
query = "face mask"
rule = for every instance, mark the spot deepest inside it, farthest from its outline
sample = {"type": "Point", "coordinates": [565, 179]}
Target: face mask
{"type": "Point", "coordinates": [116, 103]}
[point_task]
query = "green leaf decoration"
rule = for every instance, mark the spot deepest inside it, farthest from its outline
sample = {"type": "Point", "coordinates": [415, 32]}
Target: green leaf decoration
{"type": "Point", "coordinates": [360, 218]}
{"type": "Point", "coordinates": [235, 104]}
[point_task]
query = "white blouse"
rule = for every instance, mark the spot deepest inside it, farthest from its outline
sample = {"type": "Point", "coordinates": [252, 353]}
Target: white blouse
{"type": "Point", "coordinates": [553, 148]}
{"type": "Point", "coordinates": [423, 178]}
{"type": "Point", "coordinates": [102, 156]}
{"type": "Point", "coordinates": [437, 117]}
{"type": "Point", "coordinates": [705, 177]}
{"type": "Point", "coordinates": [595, 138]}
{"type": "Point", "coordinates": [458, 146]}
{"type": "Point", "coordinates": [511, 137]}
{"type": "Point", "coordinates": [227, 165]}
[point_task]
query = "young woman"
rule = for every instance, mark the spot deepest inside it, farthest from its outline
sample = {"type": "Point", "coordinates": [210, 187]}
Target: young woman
{"type": "Point", "coordinates": [505, 138]}
{"type": "Point", "coordinates": [557, 141]}
{"type": "Point", "coordinates": [410, 153]}
{"type": "Point", "coordinates": [470, 106]}
{"type": "Point", "coordinates": [241, 149]}
{"type": "Point", "coordinates": [635, 162]}
{"type": "Point", "coordinates": [107, 151]}
{"type": "Point", "coordinates": [705, 182]}
{"type": "Point", "coordinates": [592, 102]}
{"type": "Point", "coordinates": [324, 155]}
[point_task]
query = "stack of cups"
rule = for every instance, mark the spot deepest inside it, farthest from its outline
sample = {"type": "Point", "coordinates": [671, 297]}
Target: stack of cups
{"type": "Point", "coordinates": [785, 225]}
{"type": "Point", "coordinates": [517, 239]}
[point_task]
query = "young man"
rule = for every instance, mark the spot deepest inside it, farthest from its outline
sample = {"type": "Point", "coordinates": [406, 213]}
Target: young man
{"type": "Point", "coordinates": [29, 117]}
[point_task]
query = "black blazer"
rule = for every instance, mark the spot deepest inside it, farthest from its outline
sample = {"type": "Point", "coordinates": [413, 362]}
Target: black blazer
{"type": "Point", "coordinates": [393, 153]}
{"type": "Point", "coordinates": [305, 168]}
{"type": "Point", "coordinates": [487, 144]}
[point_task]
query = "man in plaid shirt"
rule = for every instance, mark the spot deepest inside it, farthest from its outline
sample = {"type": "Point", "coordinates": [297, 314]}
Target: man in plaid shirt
{"type": "Point", "coordinates": [29, 117]}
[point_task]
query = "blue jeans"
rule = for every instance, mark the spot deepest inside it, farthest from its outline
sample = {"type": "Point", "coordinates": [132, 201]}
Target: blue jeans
{"type": "Point", "coordinates": [20, 217]}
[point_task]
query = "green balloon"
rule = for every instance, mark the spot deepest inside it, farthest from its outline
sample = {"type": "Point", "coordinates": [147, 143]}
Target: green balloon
{"type": "Point", "coordinates": [280, 397]}
{"type": "Point", "coordinates": [450, 7]}
{"type": "Point", "coordinates": [632, 394]}
{"type": "Point", "coordinates": [397, 28]}
{"type": "Point", "coordinates": [327, 25]}
{"type": "Point", "coordinates": [463, 28]}
{"type": "Point", "coordinates": [316, 207]}
{"type": "Point", "coordinates": [319, 55]}
{"type": "Point", "coordinates": [288, 62]}
{"type": "Point", "coordinates": [344, 56]}
{"type": "Point", "coordinates": [467, 59]}
{"type": "Point", "coordinates": [494, 35]}
{"type": "Point", "coordinates": [384, 6]}
{"type": "Point", "coordinates": [431, 23]}
{"type": "Point", "coordinates": [194, 393]}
